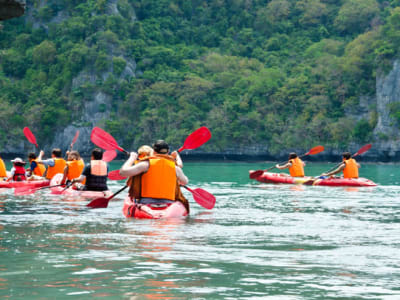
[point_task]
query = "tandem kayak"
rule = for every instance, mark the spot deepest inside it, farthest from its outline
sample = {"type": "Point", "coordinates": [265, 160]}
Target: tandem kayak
{"type": "Point", "coordinates": [268, 177]}
{"type": "Point", "coordinates": [60, 190]}
{"type": "Point", "coordinates": [27, 183]}
{"type": "Point", "coordinates": [153, 211]}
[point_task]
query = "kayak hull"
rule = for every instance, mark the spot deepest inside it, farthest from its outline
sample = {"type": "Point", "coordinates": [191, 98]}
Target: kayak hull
{"type": "Point", "coordinates": [153, 211]}
{"type": "Point", "coordinates": [60, 190]}
{"type": "Point", "coordinates": [32, 184]}
{"type": "Point", "coordinates": [267, 177]}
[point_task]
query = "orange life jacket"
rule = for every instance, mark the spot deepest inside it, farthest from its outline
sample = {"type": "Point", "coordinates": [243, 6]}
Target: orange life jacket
{"type": "Point", "coordinates": [98, 168]}
{"type": "Point", "coordinates": [40, 169]}
{"type": "Point", "coordinates": [75, 168]}
{"type": "Point", "coordinates": [351, 169]}
{"type": "Point", "coordinates": [3, 170]}
{"type": "Point", "coordinates": [59, 165]}
{"type": "Point", "coordinates": [159, 182]}
{"type": "Point", "coordinates": [296, 170]}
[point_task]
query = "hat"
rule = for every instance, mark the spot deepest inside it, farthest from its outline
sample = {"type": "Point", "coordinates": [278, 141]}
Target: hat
{"type": "Point", "coordinates": [161, 146]}
{"type": "Point", "coordinates": [18, 160]}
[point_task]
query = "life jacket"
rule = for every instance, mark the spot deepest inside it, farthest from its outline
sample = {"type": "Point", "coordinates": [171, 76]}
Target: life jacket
{"type": "Point", "coordinates": [296, 170]}
{"type": "Point", "coordinates": [159, 182]}
{"type": "Point", "coordinates": [40, 169]}
{"type": "Point", "coordinates": [3, 170]}
{"type": "Point", "coordinates": [97, 180]}
{"type": "Point", "coordinates": [351, 169]}
{"type": "Point", "coordinates": [19, 172]}
{"type": "Point", "coordinates": [59, 165]}
{"type": "Point", "coordinates": [135, 188]}
{"type": "Point", "coordinates": [75, 168]}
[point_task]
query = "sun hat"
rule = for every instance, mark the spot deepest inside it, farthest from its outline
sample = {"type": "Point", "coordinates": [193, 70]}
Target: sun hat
{"type": "Point", "coordinates": [18, 160]}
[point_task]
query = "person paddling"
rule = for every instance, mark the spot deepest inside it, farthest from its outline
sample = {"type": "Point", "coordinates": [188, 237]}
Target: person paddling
{"type": "Point", "coordinates": [95, 173]}
{"type": "Point", "coordinates": [295, 165]}
{"type": "Point", "coordinates": [36, 170]}
{"type": "Point", "coordinates": [74, 167]}
{"type": "Point", "coordinates": [55, 164]}
{"type": "Point", "coordinates": [3, 170]}
{"type": "Point", "coordinates": [349, 166]}
{"type": "Point", "coordinates": [157, 178]}
{"type": "Point", "coordinates": [17, 172]}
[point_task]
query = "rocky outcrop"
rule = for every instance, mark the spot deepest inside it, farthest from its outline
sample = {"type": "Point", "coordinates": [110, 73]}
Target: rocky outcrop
{"type": "Point", "coordinates": [11, 9]}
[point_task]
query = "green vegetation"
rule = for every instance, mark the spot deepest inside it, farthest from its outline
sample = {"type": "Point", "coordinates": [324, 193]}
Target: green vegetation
{"type": "Point", "coordinates": [274, 72]}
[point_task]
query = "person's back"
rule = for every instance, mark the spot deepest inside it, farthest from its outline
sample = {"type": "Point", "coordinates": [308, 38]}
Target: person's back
{"type": "Point", "coordinates": [296, 169]}
{"type": "Point", "coordinates": [96, 172]}
{"type": "Point", "coordinates": [3, 170]}
{"type": "Point", "coordinates": [351, 168]}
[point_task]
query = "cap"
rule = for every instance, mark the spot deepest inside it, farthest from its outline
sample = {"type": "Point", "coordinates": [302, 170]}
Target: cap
{"type": "Point", "coordinates": [18, 160]}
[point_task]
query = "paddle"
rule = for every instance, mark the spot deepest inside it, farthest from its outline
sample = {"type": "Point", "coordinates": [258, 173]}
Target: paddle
{"type": "Point", "coordinates": [104, 140]}
{"type": "Point", "coordinates": [312, 151]}
{"type": "Point", "coordinates": [28, 190]}
{"type": "Point", "coordinates": [362, 150]}
{"type": "Point", "coordinates": [109, 155]}
{"type": "Point", "coordinates": [114, 175]}
{"type": "Point", "coordinates": [30, 136]}
{"type": "Point", "coordinates": [74, 140]}
{"type": "Point", "coordinates": [202, 197]}
{"type": "Point", "coordinates": [196, 139]}
{"type": "Point", "coordinates": [102, 202]}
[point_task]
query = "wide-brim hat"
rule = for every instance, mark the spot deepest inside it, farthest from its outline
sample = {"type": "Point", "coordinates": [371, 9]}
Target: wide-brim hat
{"type": "Point", "coordinates": [18, 160]}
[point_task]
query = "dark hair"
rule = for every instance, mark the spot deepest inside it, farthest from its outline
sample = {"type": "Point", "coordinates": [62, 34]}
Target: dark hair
{"type": "Point", "coordinates": [57, 152]}
{"type": "Point", "coordinates": [292, 155]}
{"type": "Point", "coordinates": [97, 153]}
{"type": "Point", "coordinates": [160, 146]}
{"type": "Point", "coordinates": [346, 155]}
{"type": "Point", "coordinates": [31, 155]}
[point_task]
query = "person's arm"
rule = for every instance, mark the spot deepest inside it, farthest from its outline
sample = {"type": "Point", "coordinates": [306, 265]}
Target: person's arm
{"type": "Point", "coordinates": [65, 173]}
{"type": "Point", "coordinates": [178, 160]}
{"type": "Point", "coordinates": [182, 179]}
{"type": "Point", "coordinates": [129, 169]}
{"type": "Point", "coordinates": [285, 166]}
{"type": "Point", "coordinates": [339, 169]}
{"type": "Point", "coordinates": [12, 172]}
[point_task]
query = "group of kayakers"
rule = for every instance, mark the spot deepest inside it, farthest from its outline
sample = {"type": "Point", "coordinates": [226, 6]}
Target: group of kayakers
{"type": "Point", "coordinates": [349, 166]}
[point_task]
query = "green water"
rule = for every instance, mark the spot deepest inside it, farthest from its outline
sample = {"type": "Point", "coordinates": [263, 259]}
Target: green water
{"type": "Point", "coordinates": [259, 242]}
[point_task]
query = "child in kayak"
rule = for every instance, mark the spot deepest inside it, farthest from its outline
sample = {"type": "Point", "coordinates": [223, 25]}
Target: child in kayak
{"type": "Point", "coordinates": [295, 166]}
{"type": "Point", "coordinates": [17, 172]}
{"type": "Point", "coordinates": [36, 170]}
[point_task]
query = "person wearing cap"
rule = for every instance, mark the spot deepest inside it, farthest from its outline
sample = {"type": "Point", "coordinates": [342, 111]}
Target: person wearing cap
{"type": "Point", "coordinates": [95, 173]}
{"type": "Point", "coordinates": [295, 166]}
{"type": "Point", "coordinates": [349, 166]}
{"type": "Point", "coordinates": [17, 172]}
{"type": "Point", "coordinates": [156, 178]}
{"type": "Point", "coordinates": [3, 170]}
{"type": "Point", "coordinates": [55, 164]}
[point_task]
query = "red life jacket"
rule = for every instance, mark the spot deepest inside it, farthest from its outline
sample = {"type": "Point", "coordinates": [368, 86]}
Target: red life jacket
{"type": "Point", "coordinates": [19, 171]}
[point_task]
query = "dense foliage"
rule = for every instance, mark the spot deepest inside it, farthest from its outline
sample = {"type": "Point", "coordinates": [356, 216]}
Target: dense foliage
{"type": "Point", "coordinates": [264, 72]}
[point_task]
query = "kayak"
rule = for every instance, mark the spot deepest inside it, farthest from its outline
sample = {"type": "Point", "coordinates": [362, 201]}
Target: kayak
{"type": "Point", "coordinates": [153, 211]}
{"type": "Point", "coordinates": [60, 190]}
{"type": "Point", "coordinates": [268, 177]}
{"type": "Point", "coordinates": [27, 183]}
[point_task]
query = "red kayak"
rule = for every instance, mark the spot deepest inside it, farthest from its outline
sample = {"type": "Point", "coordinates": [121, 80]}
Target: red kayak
{"type": "Point", "coordinates": [268, 177]}
{"type": "Point", "coordinates": [60, 190]}
{"type": "Point", "coordinates": [153, 211]}
{"type": "Point", "coordinates": [28, 184]}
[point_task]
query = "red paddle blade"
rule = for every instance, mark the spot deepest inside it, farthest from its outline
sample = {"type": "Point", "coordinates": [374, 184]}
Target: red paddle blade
{"type": "Point", "coordinates": [315, 150]}
{"type": "Point", "coordinates": [30, 136]}
{"type": "Point", "coordinates": [101, 202]}
{"type": "Point", "coordinates": [363, 150]}
{"type": "Point", "coordinates": [202, 197]}
{"type": "Point", "coordinates": [196, 139]}
{"type": "Point", "coordinates": [75, 138]}
{"type": "Point", "coordinates": [109, 155]}
{"type": "Point", "coordinates": [114, 175]}
{"type": "Point", "coordinates": [104, 140]}
{"type": "Point", "coordinates": [255, 174]}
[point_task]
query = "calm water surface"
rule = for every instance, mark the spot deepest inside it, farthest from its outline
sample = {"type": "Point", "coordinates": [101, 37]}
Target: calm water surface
{"type": "Point", "coordinates": [259, 242]}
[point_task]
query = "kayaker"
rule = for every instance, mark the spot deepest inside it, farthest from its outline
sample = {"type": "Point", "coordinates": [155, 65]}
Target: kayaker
{"type": "Point", "coordinates": [74, 167]}
{"type": "Point", "coordinates": [36, 170]}
{"type": "Point", "coordinates": [295, 165]}
{"type": "Point", "coordinates": [18, 172]}
{"type": "Point", "coordinates": [3, 170]}
{"type": "Point", "coordinates": [349, 166]}
{"type": "Point", "coordinates": [95, 173]}
{"type": "Point", "coordinates": [156, 178]}
{"type": "Point", "coordinates": [55, 164]}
